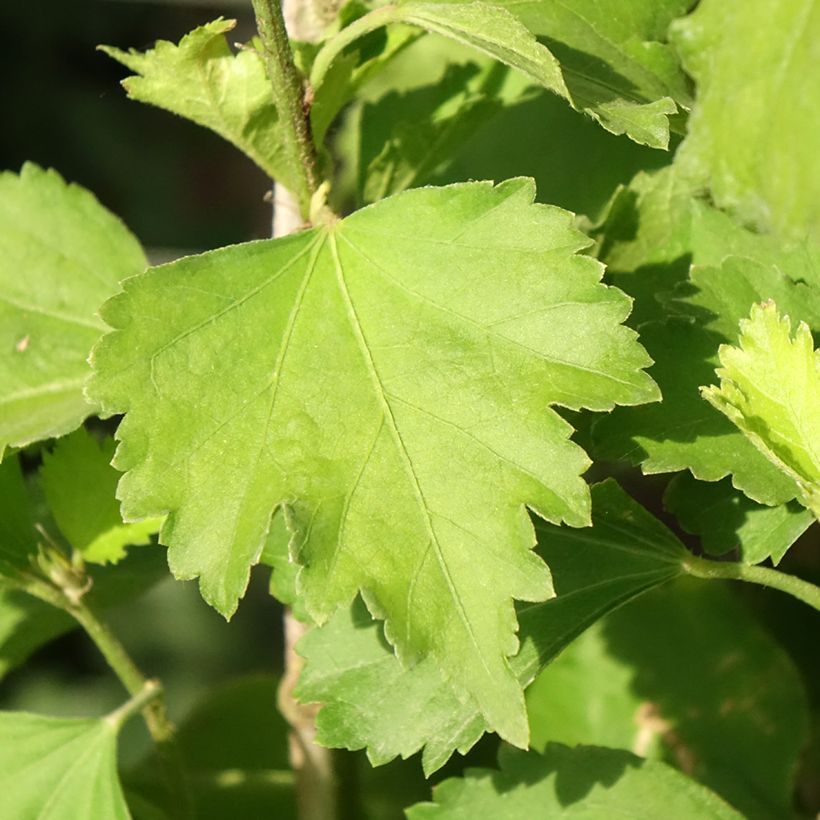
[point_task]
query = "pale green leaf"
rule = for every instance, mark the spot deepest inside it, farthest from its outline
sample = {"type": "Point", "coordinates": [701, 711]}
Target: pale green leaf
{"type": "Point", "coordinates": [58, 768]}
{"type": "Point", "coordinates": [370, 700]}
{"type": "Point", "coordinates": [61, 256]}
{"type": "Point", "coordinates": [588, 781]}
{"type": "Point", "coordinates": [770, 389]}
{"type": "Point", "coordinates": [684, 675]}
{"type": "Point", "coordinates": [403, 347]}
{"type": "Point", "coordinates": [203, 80]}
{"type": "Point", "coordinates": [683, 432]}
{"type": "Point", "coordinates": [727, 520]}
{"type": "Point", "coordinates": [80, 485]}
{"type": "Point", "coordinates": [753, 131]}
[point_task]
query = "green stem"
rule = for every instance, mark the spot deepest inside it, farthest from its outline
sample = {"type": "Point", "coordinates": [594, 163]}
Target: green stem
{"type": "Point", "coordinates": [289, 98]}
{"type": "Point", "coordinates": [149, 692]}
{"type": "Point", "coordinates": [796, 587]}
{"type": "Point", "coordinates": [161, 729]}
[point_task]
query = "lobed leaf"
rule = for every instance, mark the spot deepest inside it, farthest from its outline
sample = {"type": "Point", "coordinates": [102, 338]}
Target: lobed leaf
{"type": "Point", "coordinates": [770, 389]}
{"type": "Point", "coordinates": [586, 781]}
{"type": "Point", "coordinates": [414, 346]}
{"type": "Point", "coordinates": [61, 256]}
{"type": "Point", "coordinates": [203, 80]}
{"type": "Point", "coordinates": [371, 700]}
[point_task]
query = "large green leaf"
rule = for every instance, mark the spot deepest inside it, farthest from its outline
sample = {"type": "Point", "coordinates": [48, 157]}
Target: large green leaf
{"type": "Point", "coordinates": [726, 520]}
{"type": "Point", "coordinates": [61, 256]}
{"type": "Point", "coordinates": [392, 349]}
{"type": "Point", "coordinates": [770, 388]}
{"type": "Point", "coordinates": [370, 700]}
{"type": "Point", "coordinates": [684, 432]}
{"type": "Point", "coordinates": [56, 768]}
{"type": "Point", "coordinates": [79, 484]}
{"type": "Point", "coordinates": [753, 132]}
{"type": "Point", "coordinates": [683, 674]}
{"type": "Point", "coordinates": [587, 781]}
{"type": "Point", "coordinates": [203, 80]}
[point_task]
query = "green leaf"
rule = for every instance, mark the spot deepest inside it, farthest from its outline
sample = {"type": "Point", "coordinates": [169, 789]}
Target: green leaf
{"type": "Point", "coordinates": [373, 701]}
{"type": "Point", "coordinates": [80, 485]}
{"type": "Point", "coordinates": [587, 781]}
{"type": "Point", "coordinates": [59, 768]}
{"type": "Point", "coordinates": [770, 389]}
{"type": "Point", "coordinates": [385, 350]}
{"type": "Point", "coordinates": [17, 533]}
{"type": "Point", "coordinates": [617, 67]}
{"type": "Point", "coordinates": [61, 255]}
{"type": "Point", "coordinates": [726, 520]}
{"type": "Point", "coordinates": [758, 81]}
{"type": "Point", "coordinates": [684, 675]}
{"type": "Point", "coordinates": [684, 432]}
{"type": "Point", "coordinates": [203, 80]}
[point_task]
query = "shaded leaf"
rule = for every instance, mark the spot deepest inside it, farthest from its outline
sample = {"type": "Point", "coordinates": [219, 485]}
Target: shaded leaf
{"type": "Point", "coordinates": [79, 484]}
{"type": "Point", "coordinates": [726, 520]}
{"type": "Point", "coordinates": [275, 373]}
{"type": "Point", "coordinates": [685, 675]}
{"type": "Point", "coordinates": [61, 256]}
{"type": "Point", "coordinates": [587, 781]}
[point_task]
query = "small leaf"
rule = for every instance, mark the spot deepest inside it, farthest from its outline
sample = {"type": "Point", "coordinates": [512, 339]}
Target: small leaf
{"type": "Point", "coordinates": [684, 675]}
{"type": "Point", "coordinates": [372, 701]}
{"type": "Point", "coordinates": [398, 349]}
{"type": "Point", "coordinates": [80, 485]}
{"type": "Point", "coordinates": [758, 81]}
{"type": "Point", "coordinates": [203, 80]}
{"type": "Point", "coordinates": [725, 520]}
{"type": "Point", "coordinates": [55, 768]}
{"type": "Point", "coordinates": [770, 389]}
{"type": "Point", "coordinates": [587, 781]}
{"type": "Point", "coordinates": [61, 256]}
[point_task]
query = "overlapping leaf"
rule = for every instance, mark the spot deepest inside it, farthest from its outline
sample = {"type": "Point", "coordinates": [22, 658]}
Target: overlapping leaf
{"type": "Point", "coordinates": [203, 80]}
{"type": "Point", "coordinates": [370, 700]}
{"type": "Point", "coordinates": [684, 432]}
{"type": "Point", "coordinates": [387, 379]}
{"type": "Point", "coordinates": [759, 81]}
{"type": "Point", "coordinates": [61, 256]}
{"type": "Point", "coordinates": [727, 520]}
{"type": "Point", "coordinates": [55, 768]}
{"type": "Point", "coordinates": [79, 484]}
{"type": "Point", "coordinates": [684, 675]}
{"type": "Point", "coordinates": [587, 781]}
{"type": "Point", "coordinates": [770, 389]}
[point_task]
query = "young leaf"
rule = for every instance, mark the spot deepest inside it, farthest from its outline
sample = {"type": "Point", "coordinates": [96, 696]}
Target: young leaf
{"type": "Point", "coordinates": [683, 432]}
{"type": "Point", "coordinates": [79, 485]}
{"type": "Point", "coordinates": [684, 675]}
{"type": "Point", "coordinates": [759, 81]}
{"type": "Point", "coordinates": [587, 781]}
{"type": "Point", "coordinates": [203, 80]}
{"type": "Point", "coordinates": [61, 256]}
{"type": "Point", "coordinates": [415, 346]}
{"type": "Point", "coordinates": [370, 700]}
{"type": "Point", "coordinates": [725, 520]}
{"type": "Point", "coordinates": [770, 389]}
{"type": "Point", "coordinates": [59, 768]}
